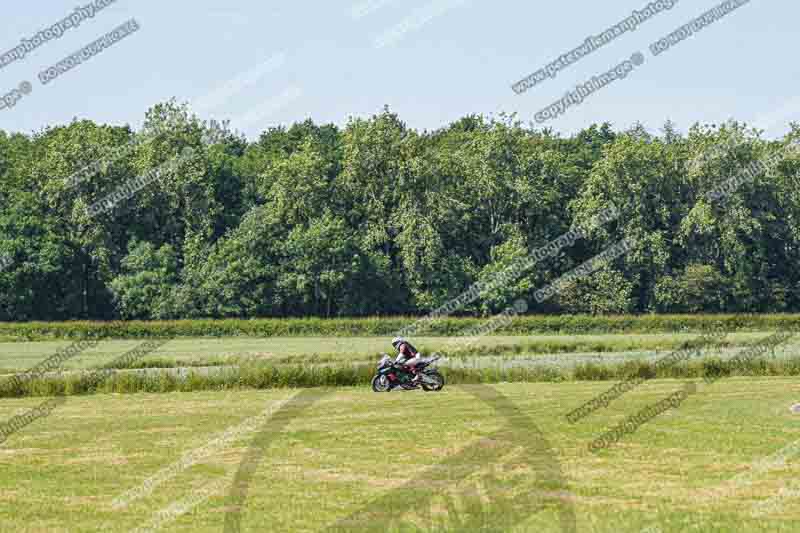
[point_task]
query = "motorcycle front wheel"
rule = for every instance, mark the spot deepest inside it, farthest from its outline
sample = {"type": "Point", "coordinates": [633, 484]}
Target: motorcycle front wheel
{"type": "Point", "coordinates": [432, 381]}
{"type": "Point", "coordinates": [380, 383]}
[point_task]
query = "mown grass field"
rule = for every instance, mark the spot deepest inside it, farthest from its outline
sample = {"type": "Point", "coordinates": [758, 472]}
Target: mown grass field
{"type": "Point", "coordinates": [359, 461]}
{"type": "Point", "coordinates": [353, 451]}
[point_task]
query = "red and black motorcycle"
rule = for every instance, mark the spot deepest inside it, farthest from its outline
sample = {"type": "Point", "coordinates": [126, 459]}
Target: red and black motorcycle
{"type": "Point", "coordinates": [391, 376]}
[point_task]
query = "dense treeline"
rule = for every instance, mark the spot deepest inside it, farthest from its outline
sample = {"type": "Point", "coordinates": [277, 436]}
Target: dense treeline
{"type": "Point", "coordinates": [376, 218]}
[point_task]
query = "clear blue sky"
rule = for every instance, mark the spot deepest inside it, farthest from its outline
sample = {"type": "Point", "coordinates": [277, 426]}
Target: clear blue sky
{"type": "Point", "coordinates": [263, 63]}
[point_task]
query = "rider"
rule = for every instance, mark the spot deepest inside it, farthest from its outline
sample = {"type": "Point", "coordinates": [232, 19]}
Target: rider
{"type": "Point", "coordinates": [407, 355]}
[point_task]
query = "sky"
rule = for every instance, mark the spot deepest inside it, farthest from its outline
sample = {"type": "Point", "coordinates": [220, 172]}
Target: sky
{"type": "Point", "coordinates": [266, 63]}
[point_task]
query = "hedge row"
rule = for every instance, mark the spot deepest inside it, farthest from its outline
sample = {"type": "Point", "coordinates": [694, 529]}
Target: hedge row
{"type": "Point", "coordinates": [385, 326]}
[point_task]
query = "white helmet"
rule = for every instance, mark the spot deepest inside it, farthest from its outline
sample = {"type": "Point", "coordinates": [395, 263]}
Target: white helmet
{"type": "Point", "coordinates": [397, 341]}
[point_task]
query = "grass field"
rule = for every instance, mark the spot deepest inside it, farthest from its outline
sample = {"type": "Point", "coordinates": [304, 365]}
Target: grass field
{"type": "Point", "coordinates": [353, 447]}
{"type": "Point", "coordinates": [245, 363]}
{"type": "Point", "coordinates": [15, 356]}
{"type": "Point", "coordinates": [354, 460]}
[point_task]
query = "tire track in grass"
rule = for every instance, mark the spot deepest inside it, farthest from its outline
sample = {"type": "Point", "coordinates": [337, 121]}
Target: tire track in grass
{"type": "Point", "coordinates": [416, 495]}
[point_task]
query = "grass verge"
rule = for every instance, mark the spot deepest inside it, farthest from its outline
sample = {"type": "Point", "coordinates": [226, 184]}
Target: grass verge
{"type": "Point", "coordinates": [267, 376]}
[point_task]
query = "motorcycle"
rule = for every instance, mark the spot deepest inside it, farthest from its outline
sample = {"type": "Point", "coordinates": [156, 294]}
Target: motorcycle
{"type": "Point", "coordinates": [391, 376]}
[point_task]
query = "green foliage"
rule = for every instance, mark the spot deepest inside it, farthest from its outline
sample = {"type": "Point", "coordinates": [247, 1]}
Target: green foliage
{"type": "Point", "coordinates": [606, 292]}
{"type": "Point", "coordinates": [375, 218]}
{"type": "Point", "coordinates": [700, 288]}
{"type": "Point", "coordinates": [386, 326]}
{"type": "Point", "coordinates": [146, 280]}
{"type": "Point", "coordinates": [503, 257]}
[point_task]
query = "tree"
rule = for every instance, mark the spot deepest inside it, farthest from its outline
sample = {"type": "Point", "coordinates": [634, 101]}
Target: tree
{"type": "Point", "coordinates": [317, 261]}
{"type": "Point", "coordinates": [377, 218]}
{"type": "Point", "coordinates": [145, 284]}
